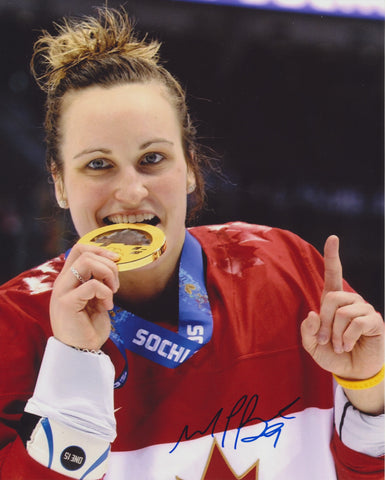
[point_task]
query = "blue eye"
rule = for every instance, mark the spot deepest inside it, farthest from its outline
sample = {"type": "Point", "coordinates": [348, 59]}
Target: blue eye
{"type": "Point", "coordinates": [152, 158]}
{"type": "Point", "coordinates": [98, 164]}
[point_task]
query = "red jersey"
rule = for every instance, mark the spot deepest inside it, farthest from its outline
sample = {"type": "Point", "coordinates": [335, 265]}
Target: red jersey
{"type": "Point", "coordinates": [250, 404]}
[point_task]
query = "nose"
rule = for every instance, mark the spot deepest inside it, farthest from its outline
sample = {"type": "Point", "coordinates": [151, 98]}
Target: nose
{"type": "Point", "coordinates": [130, 187]}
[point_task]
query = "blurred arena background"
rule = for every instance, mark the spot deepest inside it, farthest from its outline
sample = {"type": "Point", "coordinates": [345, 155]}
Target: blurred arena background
{"type": "Point", "coordinates": [292, 103]}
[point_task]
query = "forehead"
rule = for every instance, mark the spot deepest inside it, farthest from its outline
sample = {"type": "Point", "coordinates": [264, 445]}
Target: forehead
{"type": "Point", "coordinates": [139, 103]}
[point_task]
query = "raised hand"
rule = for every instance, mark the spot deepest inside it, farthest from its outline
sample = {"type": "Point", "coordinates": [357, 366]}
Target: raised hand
{"type": "Point", "coordinates": [82, 295]}
{"type": "Point", "coordinates": [346, 336]}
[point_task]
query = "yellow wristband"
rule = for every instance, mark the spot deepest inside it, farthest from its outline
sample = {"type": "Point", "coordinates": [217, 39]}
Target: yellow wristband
{"type": "Point", "coordinates": [361, 384]}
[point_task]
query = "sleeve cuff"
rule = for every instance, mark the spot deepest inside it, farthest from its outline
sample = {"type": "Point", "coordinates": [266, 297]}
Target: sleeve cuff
{"type": "Point", "coordinates": [76, 389]}
{"type": "Point", "coordinates": [358, 431]}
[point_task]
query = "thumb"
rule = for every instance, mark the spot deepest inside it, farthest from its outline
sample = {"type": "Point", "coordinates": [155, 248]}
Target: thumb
{"type": "Point", "coordinates": [309, 329]}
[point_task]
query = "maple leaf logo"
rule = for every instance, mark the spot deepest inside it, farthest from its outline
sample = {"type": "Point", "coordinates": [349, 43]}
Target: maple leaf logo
{"type": "Point", "coordinates": [218, 468]}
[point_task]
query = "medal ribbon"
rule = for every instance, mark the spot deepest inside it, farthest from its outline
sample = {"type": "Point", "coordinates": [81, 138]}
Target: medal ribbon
{"type": "Point", "coordinates": [195, 325]}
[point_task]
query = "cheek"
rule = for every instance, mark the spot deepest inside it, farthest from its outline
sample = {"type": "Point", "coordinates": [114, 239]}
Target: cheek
{"type": "Point", "coordinates": [173, 186]}
{"type": "Point", "coordinates": [83, 192]}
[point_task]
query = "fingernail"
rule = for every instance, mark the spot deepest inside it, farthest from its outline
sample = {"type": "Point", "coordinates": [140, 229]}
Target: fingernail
{"type": "Point", "coordinates": [338, 349]}
{"type": "Point", "coordinates": [113, 255]}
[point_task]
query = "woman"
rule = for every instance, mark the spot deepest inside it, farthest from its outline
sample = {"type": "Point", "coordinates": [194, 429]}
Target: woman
{"type": "Point", "coordinates": [215, 381]}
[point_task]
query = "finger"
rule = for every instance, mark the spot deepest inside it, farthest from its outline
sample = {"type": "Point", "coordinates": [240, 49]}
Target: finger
{"type": "Point", "coordinates": [332, 301]}
{"type": "Point", "coordinates": [369, 324]}
{"type": "Point", "coordinates": [96, 291]}
{"type": "Point", "coordinates": [309, 330]}
{"type": "Point", "coordinates": [353, 334]}
{"type": "Point", "coordinates": [344, 318]}
{"type": "Point", "coordinates": [89, 265]}
{"type": "Point", "coordinates": [333, 280]}
{"type": "Point", "coordinates": [78, 249]}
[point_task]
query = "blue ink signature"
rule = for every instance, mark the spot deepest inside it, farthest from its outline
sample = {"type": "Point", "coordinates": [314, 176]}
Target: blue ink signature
{"type": "Point", "coordinates": [244, 408]}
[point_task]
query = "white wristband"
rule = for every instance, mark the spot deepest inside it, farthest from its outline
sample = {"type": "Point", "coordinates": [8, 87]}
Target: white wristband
{"type": "Point", "coordinates": [68, 451]}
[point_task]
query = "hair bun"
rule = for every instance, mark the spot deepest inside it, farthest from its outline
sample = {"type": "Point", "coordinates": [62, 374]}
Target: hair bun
{"type": "Point", "coordinates": [77, 41]}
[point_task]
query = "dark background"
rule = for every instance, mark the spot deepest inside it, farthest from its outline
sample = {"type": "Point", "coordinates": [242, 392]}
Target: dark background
{"type": "Point", "coordinates": [292, 103]}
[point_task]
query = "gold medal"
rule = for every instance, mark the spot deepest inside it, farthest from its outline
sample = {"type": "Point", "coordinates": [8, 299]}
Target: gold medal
{"type": "Point", "coordinates": [138, 244]}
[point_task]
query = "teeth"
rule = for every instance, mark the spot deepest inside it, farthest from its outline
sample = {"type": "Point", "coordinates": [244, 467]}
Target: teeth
{"type": "Point", "coordinates": [119, 218]}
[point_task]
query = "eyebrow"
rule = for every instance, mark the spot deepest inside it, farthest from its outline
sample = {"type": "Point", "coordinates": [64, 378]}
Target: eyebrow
{"type": "Point", "coordinates": [155, 140]}
{"type": "Point", "coordinates": [108, 151]}
{"type": "Point", "coordinates": [92, 150]}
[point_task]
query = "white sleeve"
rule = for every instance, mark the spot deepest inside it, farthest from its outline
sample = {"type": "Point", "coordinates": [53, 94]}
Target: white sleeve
{"type": "Point", "coordinates": [358, 431]}
{"type": "Point", "coordinates": [76, 389]}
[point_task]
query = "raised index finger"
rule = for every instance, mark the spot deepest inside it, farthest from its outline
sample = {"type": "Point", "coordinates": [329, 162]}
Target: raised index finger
{"type": "Point", "coordinates": [333, 268]}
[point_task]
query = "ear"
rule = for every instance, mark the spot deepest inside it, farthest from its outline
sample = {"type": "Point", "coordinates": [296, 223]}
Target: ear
{"type": "Point", "coordinates": [191, 180]}
{"type": "Point", "coordinates": [60, 193]}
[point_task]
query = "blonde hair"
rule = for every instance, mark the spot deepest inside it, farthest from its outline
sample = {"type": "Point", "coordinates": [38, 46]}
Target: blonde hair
{"type": "Point", "coordinates": [105, 50]}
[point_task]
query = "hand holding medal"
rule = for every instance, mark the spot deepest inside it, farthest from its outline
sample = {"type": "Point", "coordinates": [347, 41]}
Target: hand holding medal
{"type": "Point", "coordinates": [83, 293]}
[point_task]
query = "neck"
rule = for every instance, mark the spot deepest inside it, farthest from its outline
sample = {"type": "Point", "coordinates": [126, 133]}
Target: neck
{"type": "Point", "coordinates": [150, 294]}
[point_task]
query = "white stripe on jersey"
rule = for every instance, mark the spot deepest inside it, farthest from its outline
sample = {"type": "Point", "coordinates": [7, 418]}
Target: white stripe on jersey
{"type": "Point", "coordinates": [302, 452]}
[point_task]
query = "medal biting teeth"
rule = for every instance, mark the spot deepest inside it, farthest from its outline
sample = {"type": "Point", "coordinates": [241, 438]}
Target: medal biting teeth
{"type": "Point", "coordinates": [138, 218]}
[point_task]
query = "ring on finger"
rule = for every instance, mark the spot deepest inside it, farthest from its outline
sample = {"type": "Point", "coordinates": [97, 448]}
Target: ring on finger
{"type": "Point", "coordinates": [77, 275]}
